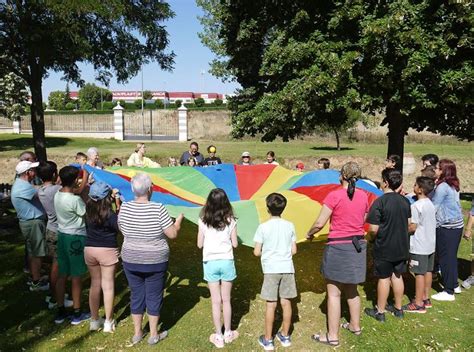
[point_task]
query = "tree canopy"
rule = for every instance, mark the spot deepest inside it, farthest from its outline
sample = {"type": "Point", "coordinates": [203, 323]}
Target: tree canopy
{"type": "Point", "coordinates": [115, 37]}
{"type": "Point", "coordinates": [92, 95]}
{"type": "Point", "coordinates": [303, 64]}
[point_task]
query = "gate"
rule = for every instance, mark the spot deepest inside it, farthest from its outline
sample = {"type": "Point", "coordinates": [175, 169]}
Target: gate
{"type": "Point", "coordinates": [152, 125]}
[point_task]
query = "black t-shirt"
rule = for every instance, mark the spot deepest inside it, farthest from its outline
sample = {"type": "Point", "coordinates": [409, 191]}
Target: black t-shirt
{"type": "Point", "coordinates": [212, 161]}
{"type": "Point", "coordinates": [391, 212]}
{"type": "Point", "coordinates": [104, 235]}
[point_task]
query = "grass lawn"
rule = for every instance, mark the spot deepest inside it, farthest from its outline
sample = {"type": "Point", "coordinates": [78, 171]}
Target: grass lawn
{"type": "Point", "coordinates": [26, 323]}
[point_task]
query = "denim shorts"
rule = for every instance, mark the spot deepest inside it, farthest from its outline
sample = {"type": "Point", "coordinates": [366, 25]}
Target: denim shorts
{"type": "Point", "coordinates": [220, 269]}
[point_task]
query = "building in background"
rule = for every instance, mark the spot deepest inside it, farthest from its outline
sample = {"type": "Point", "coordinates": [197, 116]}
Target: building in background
{"type": "Point", "coordinates": [129, 96]}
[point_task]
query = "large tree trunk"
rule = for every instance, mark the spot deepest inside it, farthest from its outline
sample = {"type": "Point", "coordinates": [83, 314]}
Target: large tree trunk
{"type": "Point", "coordinates": [397, 129]}
{"type": "Point", "coordinates": [338, 142]}
{"type": "Point", "coordinates": [37, 117]}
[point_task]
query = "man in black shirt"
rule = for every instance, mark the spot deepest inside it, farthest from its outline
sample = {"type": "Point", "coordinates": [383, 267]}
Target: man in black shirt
{"type": "Point", "coordinates": [389, 217]}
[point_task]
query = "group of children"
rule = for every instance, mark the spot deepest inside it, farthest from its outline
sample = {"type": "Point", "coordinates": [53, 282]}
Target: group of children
{"type": "Point", "coordinates": [68, 222]}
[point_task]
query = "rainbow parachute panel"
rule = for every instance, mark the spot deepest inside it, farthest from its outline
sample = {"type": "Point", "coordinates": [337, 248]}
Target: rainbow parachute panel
{"type": "Point", "coordinates": [185, 189]}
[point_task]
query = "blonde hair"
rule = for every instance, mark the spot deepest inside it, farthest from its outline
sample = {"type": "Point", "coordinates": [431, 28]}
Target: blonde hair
{"type": "Point", "coordinates": [139, 145]}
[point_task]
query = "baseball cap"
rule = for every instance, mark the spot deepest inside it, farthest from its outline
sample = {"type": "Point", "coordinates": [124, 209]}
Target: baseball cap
{"type": "Point", "coordinates": [300, 166]}
{"type": "Point", "coordinates": [24, 166]}
{"type": "Point", "coordinates": [244, 154]}
{"type": "Point", "coordinates": [99, 190]}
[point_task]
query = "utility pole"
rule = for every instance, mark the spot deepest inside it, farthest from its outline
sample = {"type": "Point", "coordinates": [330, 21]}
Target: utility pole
{"type": "Point", "coordinates": [142, 93]}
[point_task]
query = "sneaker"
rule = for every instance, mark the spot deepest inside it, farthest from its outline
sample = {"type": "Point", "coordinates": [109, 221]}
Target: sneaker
{"type": "Point", "coordinates": [413, 308]}
{"type": "Point", "coordinates": [284, 340]}
{"type": "Point", "coordinates": [95, 325]}
{"type": "Point", "coordinates": [60, 317]}
{"type": "Point", "coordinates": [398, 313]}
{"type": "Point", "coordinates": [427, 303]}
{"type": "Point", "coordinates": [468, 282]}
{"type": "Point", "coordinates": [153, 340]}
{"type": "Point", "coordinates": [109, 326]}
{"type": "Point", "coordinates": [39, 286]}
{"type": "Point", "coordinates": [374, 313]}
{"type": "Point", "coordinates": [136, 339]}
{"type": "Point", "coordinates": [443, 296]}
{"type": "Point", "coordinates": [76, 320]}
{"type": "Point", "coordinates": [266, 344]}
{"type": "Point", "coordinates": [230, 336]}
{"type": "Point", "coordinates": [457, 290]}
{"type": "Point", "coordinates": [67, 304]}
{"type": "Point", "coordinates": [217, 340]}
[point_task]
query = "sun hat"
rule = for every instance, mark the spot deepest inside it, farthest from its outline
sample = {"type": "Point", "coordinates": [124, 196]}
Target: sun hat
{"type": "Point", "coordinates": [24, 166]}
{"type": "Point", "coordinates": [245, 154]}
{"type": "Point", "coordinates": [99, 190]}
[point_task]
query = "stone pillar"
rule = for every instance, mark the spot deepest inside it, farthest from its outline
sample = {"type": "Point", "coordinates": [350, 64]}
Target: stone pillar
{"type": "Point", "coordinates": [118, 122]}
{"type": "Point", "coordinates": [17, 126]}
{"type": "Point", "coordinates": [183, 123]}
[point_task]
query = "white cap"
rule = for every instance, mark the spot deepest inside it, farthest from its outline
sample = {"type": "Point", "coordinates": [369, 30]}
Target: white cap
{"type": "Point", "coordinates": [245, 154]}
{"type": "Point", "coordinates": [24, 166]}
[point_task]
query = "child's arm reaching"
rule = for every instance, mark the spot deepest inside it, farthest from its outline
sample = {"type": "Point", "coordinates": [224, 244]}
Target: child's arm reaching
{"type": "Point", "coordinates": [200, 238]}
{"type": "Point", "coordinates": [257, 250]}
{"type": "Point", "coordinates": [411, 227]}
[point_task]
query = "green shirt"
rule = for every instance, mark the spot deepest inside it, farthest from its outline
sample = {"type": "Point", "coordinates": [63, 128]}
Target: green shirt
{"type": "Point", "coordinates": [70, 211]}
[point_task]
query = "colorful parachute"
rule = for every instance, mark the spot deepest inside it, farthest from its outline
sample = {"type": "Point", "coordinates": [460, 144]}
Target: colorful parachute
{"type": "Point", "coordinates": [185, 189]}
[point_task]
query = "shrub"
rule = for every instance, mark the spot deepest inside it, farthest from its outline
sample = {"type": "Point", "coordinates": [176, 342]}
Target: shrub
{"type": "Point", "coordinates": [108, 105]}
{"type": "Point", "coordinates": [218, 102]}
{"type": "Point", "coordinates": [138, 103]}
{"type": "Point", "coordinates": [85, 105]}
{"type": "Point", "coordinates": [199, 102]}
{"type": "Point", "coordinates": [159, 104]}
{"type": "Point", "coordinates": [177, 103]}
{"type": "Point", "coordinates": [70, 106]}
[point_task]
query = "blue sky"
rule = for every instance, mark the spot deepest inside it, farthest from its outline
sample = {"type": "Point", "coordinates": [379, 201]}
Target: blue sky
{"type": "Point", "coordinates": [192, 57]}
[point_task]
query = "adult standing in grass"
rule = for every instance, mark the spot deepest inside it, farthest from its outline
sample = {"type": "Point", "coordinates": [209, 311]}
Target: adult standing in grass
{"type": "Point", "coordinates": [449, 227]}
{"type": "Point", "coordinates": [139, 159]}
{"type": "Point", "coordinates": [345, 255]}
{"type": "Point", "coordinates": [101, 252]}
{"type": "Point", "coordinates": [146, 226]}
{"type": "Point", "coordinates": [32, 219]}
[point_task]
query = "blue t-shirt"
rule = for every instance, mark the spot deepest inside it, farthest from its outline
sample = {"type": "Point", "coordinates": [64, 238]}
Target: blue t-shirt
{"type": "Point", "coordinates": [26, 202]}
{"type": "Point", "coordinates": [276, 236]}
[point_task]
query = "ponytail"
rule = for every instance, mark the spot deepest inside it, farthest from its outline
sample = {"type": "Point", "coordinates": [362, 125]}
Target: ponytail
{"type": "Point", "coordinates": [351, 187]}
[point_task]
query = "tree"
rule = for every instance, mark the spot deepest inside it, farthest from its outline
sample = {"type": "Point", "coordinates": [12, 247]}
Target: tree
{"type": "Point", "coordinates": [177, 103]}
{"type": "Point", "coordinates": [67, 95]}
{"type": "Point", "coordinates": [159, 104]}
{"type": "Point", "coordinates": [13, 96]}
{"type": "Point", "coordinates": [115, 37]}
{"type": "Point", "coordinates": [199, 102]}
{"type": "Point", "coordinates": [304, 64]}
{"type": "Point", "coordinates": [218, 102]}
{"type": "Point", "coordinates": [56, 100]}
{"type": "Point", "coordinates": [138, 103]}
{"type": "Point", "coordinates": [147, 95]}
{"type": "Point", "coordinates": [94, 95]}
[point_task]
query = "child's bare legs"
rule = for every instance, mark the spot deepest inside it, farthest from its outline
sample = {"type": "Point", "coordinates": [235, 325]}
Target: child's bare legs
{"type": "Point", "coordinates": [398, 289]}
{"type": "Point", "coordinates": [215, 289]}
{"type": "Point", "coordinates": [269, 319]}
{"type": "Point", "coordinates": [226, 287]}
{"type": "Point", "coordinates": [94, 291]}
{"type": "Point", "coordinates": [53, 278]}
{"type": "Point", "coordinates": [286, 307]}
{"type": "Point", "coordinates": [428, 282]}
{"type": "Point", "coordinates": [60, 290]}
{"type": "Point", "coordinates": [334, 308]}
{"type": "Point", "coordinates": [353, 301]}
{"type": "Point", "coordinates": [383, 290]}
{"type": "Point", "coordinates": [420, 291]}
{"type": "Point", "coordinates": [76, 291]}
{"type": "Point", "coordinates": [108, 288]}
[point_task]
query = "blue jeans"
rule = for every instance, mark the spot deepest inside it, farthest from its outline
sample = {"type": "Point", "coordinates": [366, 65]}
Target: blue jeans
{"type": "Point", "coordinates": [147, 283]}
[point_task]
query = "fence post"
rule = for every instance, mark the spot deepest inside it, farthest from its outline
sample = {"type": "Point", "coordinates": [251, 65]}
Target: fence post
{"type": "Point", "coordinates": [118, 122]}
{"type": "Point", "coordinates": [17, 126]}
{"type": "Point", "coordinates": [182, 123]}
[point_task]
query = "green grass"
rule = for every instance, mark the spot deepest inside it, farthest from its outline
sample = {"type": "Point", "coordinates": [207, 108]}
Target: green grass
{"type": "Point", "coordinates": [26, 324]}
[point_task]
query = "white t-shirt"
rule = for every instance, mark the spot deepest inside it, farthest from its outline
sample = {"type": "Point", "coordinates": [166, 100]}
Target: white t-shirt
{"type": "Point", "coordinates": [276, 236]}
{"type": "Point", "coordinates": [217, 243]}
{"type": "Point", "coordinates": [423, 214]}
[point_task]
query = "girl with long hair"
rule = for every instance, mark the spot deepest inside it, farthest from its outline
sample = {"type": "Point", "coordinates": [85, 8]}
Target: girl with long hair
{"type": "Point", "coordinates": [101, 252]}
{"type": "Point", "coordinates": [217, 237]}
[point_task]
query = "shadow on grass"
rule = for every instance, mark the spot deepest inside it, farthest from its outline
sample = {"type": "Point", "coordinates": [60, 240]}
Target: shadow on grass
{"type": "Point", "coordinates": [326, 148]}
{"type": "Point", "coordinates": [26, 143]}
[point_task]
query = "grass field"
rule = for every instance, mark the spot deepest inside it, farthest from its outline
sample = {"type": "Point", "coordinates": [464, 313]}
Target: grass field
{"type": "Point", "coordinates": [26, 324]}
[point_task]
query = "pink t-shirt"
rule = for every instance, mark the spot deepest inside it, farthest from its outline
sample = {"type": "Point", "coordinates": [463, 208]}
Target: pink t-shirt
{"type": "Point", "coordinates": [347, 217]}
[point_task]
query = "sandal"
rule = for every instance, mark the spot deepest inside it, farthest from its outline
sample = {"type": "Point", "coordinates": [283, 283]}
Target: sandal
{"type": "Point", "coordinates": [346, 326]}
{"type": "Point", "coordinates": [332, 343]}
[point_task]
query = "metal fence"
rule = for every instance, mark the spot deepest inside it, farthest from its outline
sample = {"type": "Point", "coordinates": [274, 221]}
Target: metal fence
{"type": "Point", "coordinates": [74, 123]}
{"type": "Point", "coordinates": [152, 125]}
